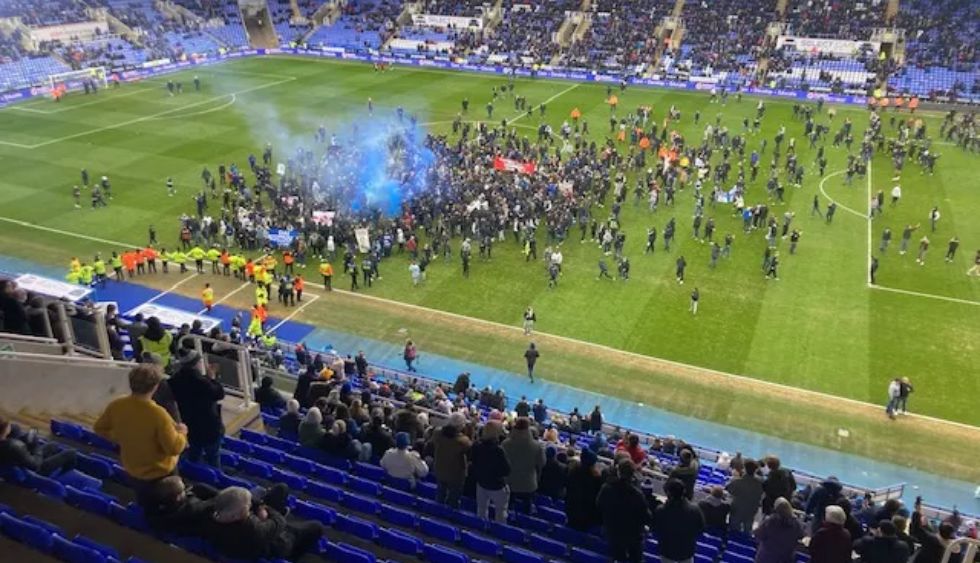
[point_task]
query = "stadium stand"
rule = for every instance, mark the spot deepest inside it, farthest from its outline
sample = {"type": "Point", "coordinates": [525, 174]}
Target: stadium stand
{"type": "Point", "coordinates": [364, 24]}
{"type": "Point", "coordinates": [527, 28]}
{"type": "Point", "coordinates": [619, 36]}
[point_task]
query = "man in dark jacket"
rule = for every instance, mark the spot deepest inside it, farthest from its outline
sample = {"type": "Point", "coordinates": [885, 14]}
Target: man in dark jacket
{"type": "Point", "coordinates": [832, 542]}
{"type": "Point", "coordinates": [687, 471]}
{"type": "Point", "coordinates": [624, 514]}
{"type": "Point", "coordinates": [826, 494]}
{"type": "Point", "coordinates": [677, 524]}
{"type": "Point", "coordinates": [450, 449]}
{"type": "Point", "coordinates": [584, 483]}
{"type": "Point", "coordinates": [883, 546]}
{"type": "Point", "coordinates": [715, 509]}
{"type": "Point", "coordinates": [779, 483]}
{"type": "Point", "coordinates": [199, 400]}
{"type": "Point", "coordinates": [554, 474]}
{"type": "Point", "coordinates": [243, 529]}
{"type": "Point", "coordinates": [378, 435]}
{"type": "Point", "coordinates": [289, 421]}
{"type": "Point", "coordinates": [490, 469]}
{"type": "Point", "coordinates": [267, 397]}
{"type": "Point", "coordinates": [22, 450]}
{"type": "Point", "coordinates": [933, 544]}
{"type": "Point", "coordinates": [174, 508]}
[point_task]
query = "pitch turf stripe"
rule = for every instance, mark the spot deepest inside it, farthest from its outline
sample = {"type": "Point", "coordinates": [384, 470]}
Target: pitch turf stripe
{"type": "Point", "coordinates": [172, 288]}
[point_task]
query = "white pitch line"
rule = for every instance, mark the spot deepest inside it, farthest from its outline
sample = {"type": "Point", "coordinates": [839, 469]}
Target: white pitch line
{"type": "Point", "coordinates": [867, 272]}
{"type": "Point", "coordinates": [927, 295]}
{"type": "Point", "coordinates": [70, 107]}
{"type": "Point", "coordinates": [172, 288]}
{"type": "Point", "coordinates": [145, 117]}
{"type": "Point", "coordinates": [548, 101]}
{"type": "Point", "coordinates": [67, 233]}
{"type": "Point", "coordinates": [225, 105]}
{"type": "Point", "coordinates": [839, 204]}
{"type": "Point", "coordinates": [313, 299]}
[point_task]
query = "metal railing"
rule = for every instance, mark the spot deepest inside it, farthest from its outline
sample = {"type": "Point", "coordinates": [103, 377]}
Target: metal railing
{"type": "Point", "coordinates": [965, 555]}
{"type": "Point", "coordinates": [235, 374]}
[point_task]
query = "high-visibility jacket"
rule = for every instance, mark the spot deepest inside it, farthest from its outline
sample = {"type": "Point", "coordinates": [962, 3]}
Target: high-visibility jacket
{"type": "Point", "coordinates": [129, 260]}
{"type": "Point", "coordinates": [73, 276]}
{"type": "Point", "coordinates": [261, 297]}
{"type": "Point", "coordinates": [159, 347]}
{"type": "Point", "coordinates": [75, 265]}
{"type": "Point", "coordinates": [197, 253]}
{"type": "Point", "coordinates": [259, 272]}
{"type": "Point", "coordinates": [116, 262]}
{"type": "Point", "coordinates": [250, 268]}
{"type": "Point", "coordinates": [213, 254]}
{"type": "Point", "coordinates": [254, 327]}
{"type": "Point", "coordinates": [99, 267]}
{"type": "Point", "coordinates": [178, 257]}
{"type": "Point", "coordinates": [326, 269]}
{"type": "Point", "coordinates": [207, 295]}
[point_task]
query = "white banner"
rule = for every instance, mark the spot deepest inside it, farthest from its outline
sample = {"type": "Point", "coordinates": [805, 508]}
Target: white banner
{"type": "Point", "coordinates": [435, 20]}
{"type": "Point", "coordinates": [83, 31]}
{"type": "Point", "coordinates": [53, 288]}
{"type": "Point", "coordinates": [324, 217]}
{"type": "Point", "coordinates": [833, 46]}
{"type": "Point", "coordinates": [173, 317]}
{"type": "Point", "coordinates": [363, 240]}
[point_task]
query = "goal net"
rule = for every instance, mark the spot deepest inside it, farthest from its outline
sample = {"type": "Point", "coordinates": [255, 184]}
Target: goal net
{"type": "Point", "coordinates": [75, 80]}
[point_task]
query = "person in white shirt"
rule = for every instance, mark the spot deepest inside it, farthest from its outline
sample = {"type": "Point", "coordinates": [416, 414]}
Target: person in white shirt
{"type": "Point", "coordinates": [402, 463]}
{"type": "Point", "coordinates": [894, 391]}
{"type": "Point", "coordinates": [416, 273]}
{"type": "Point", "coordinates": [896, 194]}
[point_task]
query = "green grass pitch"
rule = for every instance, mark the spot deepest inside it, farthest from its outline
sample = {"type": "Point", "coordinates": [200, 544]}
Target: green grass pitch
{"type": "Point", "coordinates": [820, 327]}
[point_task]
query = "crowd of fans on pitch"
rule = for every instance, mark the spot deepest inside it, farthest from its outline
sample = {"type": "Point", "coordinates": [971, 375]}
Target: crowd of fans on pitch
{"type": "Point", "coordinates": [476, 445]}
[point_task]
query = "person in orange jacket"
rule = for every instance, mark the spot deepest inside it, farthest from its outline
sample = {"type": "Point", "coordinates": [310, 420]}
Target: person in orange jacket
{"type": "Point", "coordinates": [298, 287]}
{"type": "Point", "coordinates": [225, 262]}
{"type": "Point", "coordinates": [287, 260]}
{"type": "Point", "coordinates": [140, 261]}
{"type": "Point", "coordinates": [250, 270]}
{"type": "Point", "coordinates": [129, 262]}
{"type": "Point", "coordinates": [150, 256]}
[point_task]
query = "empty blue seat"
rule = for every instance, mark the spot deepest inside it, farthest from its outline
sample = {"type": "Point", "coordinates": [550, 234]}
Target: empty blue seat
{"type": "Point", "coordinates": [325, 492]}
{"type": "Point", "coordinates": [94, 466]}
{"type": "Point", "coordinates": [237, 446]}
{"type": "Point", "coordinates": [118, 473]}
{"type": "Point", "coordinates": [433, 508]}
{"type": "Point", "coordinates": [330, 475]}
{"type": "Point", "coordinates": [67, 430]}
{"type": "Point", "coordinates": [44, 485]}
{"type": "Point", "coordinates": [293, 480]}
{"type": "Point", "coordinates": [395, 496]}
{"type": "Point", "coordinates": [580, 555]}
{"type": "Point", "coordinates": [551, 515]}
{"type": "Point", "coordinates": [426, 490]}
{"type": "Point", "coordinates": [199, 473]}
{"type": "Point", "coordinates": [107, 551]}
{"type": "Point", "coordinates": [345, 553]}
{"type": "Point", "coordinates": [130, 516]}
{"type": "Point", "coordinates": [89, 502]}
{"type": "Point", "coordinates": [549, 546]}
{"type": "Point", "coordinates": [355, 526]}
{"type": "Point", "coordinates": [364, 486]}
{"type": "Point", "coordinates": [517, 555]}
{"type": "Point", "coordinates": [398, 517]}
{"type": "Point", "coordinates": [438, 530]}
{"type": "Point", "coordinates": [268, 455]}
{"type": "Point", "coordinates": [368, 471]}
{"type": "Point", "coordinates": [508, 533]}
{"type": "Point", "coordinates": [259, 469]}
{"type": "Point", "coordinates": [313, 511]}
{"type": "Point", "coordinates": [26, 533]}
{"type": "Point", "coordinates": [439, 554]}
{"type": "Point", "coordinates": [531, 523]}
{"type": "Point", "coordinates": [400, 542]}
{"type": "Point", "coordinates": [285, 446]}
{"type": "Point", "coordinates": [69, 551]}
{"type": "Point", "coordinates": [300, 465]}
{"type": "Point", "coordinates": [479, 544]}
{"type": "Point", "coordinates": [361, 504]}
{"type": "Point", "coordinates": [468, 520]}
{"type": "Point", "coordinates": [79, 480]}
{"type": "Point", "coordinates": [229, 459]}
{"type": "Point", "coordinates": [252, 437]}
{"type": "Point", "coordinates": [226, 481]}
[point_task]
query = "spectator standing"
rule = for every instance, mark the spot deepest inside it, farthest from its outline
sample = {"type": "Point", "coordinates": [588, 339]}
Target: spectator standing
{"type": "Point", "coordinates": [149, 440]}
{"type": "Point", "coordinates": [554, 474]}
{"type": "Point", "coordinates": [243, 529]}
{"type": "Point", "coordinates": [14, 314]}
{"type": "Point", "coordinates": [526, 458]}
{"type": "Point", "coordinates": [882, 546]}
{"type": "Point", "coordinates": [624, 514]}
{"type": "Point", "coordinates": [677, 523]}
{"type": "Point", "coordinates": [826, 494]}
{"type": "Point", "coordinates": [687, 471]}
{"type": "Point", "coordinates": [531, 356]}
{"type": "Point", "coordinates": [410, 354]}
{"type": "Point", "coordinates": [491, 469]}
{"type": "Point", "coordinates": [584, 483]}
{"type": "Point", "coordinates": [778, 534]}
{"type": "Point", "coordinates": [23, 450]}
{"type": "Point", "coordinates": [199, 396]}
{"type": "Point", "coordinates": [290, 420]}
{"type": "Point", "coordinates": [595, 420]}
{"type": "Point", "coordinates": [904, 390]}
{"type": "Point", "coordinates": [451, 447]}
{"type": "Point", "coordinates": [157, 341]}
{"type": "Point", "coordinates": [401, 462]}
{"type": "Point", "coordinates": [933, 543]}
{"type": "Point", "coordinates": [747, 492]}
{"type": "Point", "coordinates": [894, 392]}
{"type": "Point", "coordinates": [779, 483]}
{"type": "Point", "coordinates": [831, 543]}
{"type": "Point", "coordinates": [715, 509]}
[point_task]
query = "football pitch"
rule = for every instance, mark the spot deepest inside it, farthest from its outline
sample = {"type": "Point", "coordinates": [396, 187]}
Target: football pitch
{"type": "Point", "coordinates": [821, 326]}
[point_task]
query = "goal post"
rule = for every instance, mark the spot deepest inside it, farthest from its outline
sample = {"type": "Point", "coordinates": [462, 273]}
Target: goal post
{"type": "Point", "coordinates": [75, 80]}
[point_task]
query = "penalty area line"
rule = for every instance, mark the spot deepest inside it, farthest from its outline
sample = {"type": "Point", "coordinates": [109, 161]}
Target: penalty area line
{"type": "Point", "coordinates": [926, 295]}
{"type": "Point", "coordinates": [313, 299]}
{"type": "Point", "coordinates": [839, 204]}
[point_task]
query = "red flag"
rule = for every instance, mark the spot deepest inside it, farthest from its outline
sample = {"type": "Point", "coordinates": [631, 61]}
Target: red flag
{"type": "Point", "coordinates": [510, 165]}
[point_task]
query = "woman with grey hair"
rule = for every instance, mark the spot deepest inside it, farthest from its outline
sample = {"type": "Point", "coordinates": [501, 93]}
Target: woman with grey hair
{"type": "Point", "coordinates": [311, 430]}
{"type": "Point", "coordinates": [778, 534]}
{"type": "Point", "coordinates": [243, 529]}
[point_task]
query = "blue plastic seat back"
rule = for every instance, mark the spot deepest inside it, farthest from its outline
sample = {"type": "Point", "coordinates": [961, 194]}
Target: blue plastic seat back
{"type": "Point", "coordinates": [67, 550]}
{"type": "Point", "coordinates": [508, 533]}
{"type": "Point", "coordinates": [398, 517]}
{"type": "Point", "coordinates": [517, 555]}
{"type": "Point", "coordinates": [87, 501]}
{"type": "Point", "coordinates": [253, 437]}
{"type": "Point", "coordinates": [580, 555]}
{"type": "Point", "coordinates": [259, 469]}
{"type": "Point", "coordinates": [480, 544]}
{"type": "Point", "coordinates": [294, 481]}
{"type": "Point", "coordinates": [361, 504]}
{"type": "Point", "coordinates": [329, 474]}
{"type": "Point", "coordinates": [364, 486]}
{"type": "Point", "coordinates": [325, 492]}
{"type": "Point", "coordinates": [356, 526]}
{"type": "Point", "coordinates": [107, 551]}
{"type": "Point", "coordinates": [237, 446]}
{"type": "Point", "coordinates": [545, 545]}
{"type": "Point", "coordinates": [26, 533]}
{"type": "Point", "coordinates": [300, 465]}
{"type": "Point", "coordinates": [400, 542]}
{"type": "Point", "coordinates": [44, 485]}
{"type": "Point", "coordinates": [67, 430]}
{"type": "Point", "coordinates": [199, 473]}
{"type": "Point", "coordinates": [438, 530]}
{"type": "Point", "coordinates": [79, 480]}
{"type": "Point", "coordinates": [94, 466]}
{"type": "Point", "coordinates": [312, 511]}
{"type": "Point", "coordinates": [268, 455]}
{"type": "Point", "coordinates": [439, 554]}
{"type": "Point", "coordinates": [349, 554]}
{"type": "Point", "coordinates": [370, 472]}
{"type": "Point", "coordinates": [395, 496]}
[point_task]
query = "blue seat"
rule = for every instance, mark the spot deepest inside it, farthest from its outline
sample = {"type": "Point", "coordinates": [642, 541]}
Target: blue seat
{"type": "Point", "coordinates": [345, 553]}
{"type": "Point", "coordinates": [285, 446]}
{"type": "Point", "coordinates": [439, 554]}
{"type": "Point", "coordinates": [300, 465]}
{"type": "Point", "coordinates": [468, 520]}
{"type": "Point", "coordinates": [330, 475]}
{"type": "Point", "coordinates": [364, 486]}
{"type": "Point", "coordinates": [68, 430]}
{"type": "Point", "coordinates": [26, 533]}
{"type": "Point", "coordinates": [118, 473]}
{"type": "Point", "coordinates": [229, 459]}
{"type": "Point", "coordinates": [96, 441]}
{"type": "Point", "coordinates": [355, 526]}
{"type": "Point", "coordinates": [398, 517]}
{"type": "Point", "coordinates": [479, 544]}
{"type": "Point", "coordinates": [94, 466]}
{"type": "Point", "coordinates": [517, 555]}
{"type": "Point", "coordinates": [368, 471]}
{"type": "Point", "coordinates": [400, 542]}
{"type": "Point", "coordinates": [313, 511]}
{"type": "Point", "coordinates": [531, 523]}
{"type": "Point", "coordinates": [293, 480]}
{"type": "Point", "coordinates": [130, 516]}
{"type": "Point", "coordinates": [545, 545]}
{"type": "Point", "coordinates": [268, 455]}
{"type": "Point", "coordinates": [397, 497]}
{"type": "Point", "coordinates": [43, 524]}
{"type": "Point", "coordinates": [551, 515]}
{"type": "Point", "coordinates": [199, 473]}
{"type": "Point", "coordinates": [508, 533]}
{"type": "Point", "coordinates": [325, 492]}
{"type": "Point", "coordinates": [252, 437]}
{"type": "Point", "coordinates": [88, 502]}
{"type": "Point", "coordinates": [433, 508]}
{"type": "Point", "coordinates": [580, 555]}
{"type": "Point", "coordinates": [237, 446]}
{"type": "Point", "coordinates": [438, 530]}
{"type": "Point", "coordinates": [361, 504]}
{"type": "Point", "coordinates": [426, 490]}
{"type": "Point", "coordinates": [226, 481]}
{"type": "Point", "coordinates": [259, 469]}
{"type": "Point", "coordinates": [72, 552]}
{"type": "Point", "coordinates": [79, 480]}
{"type": "Point", "coordinates": [107, 551]}
{"type": "Point", "coordinates": [44, 485]}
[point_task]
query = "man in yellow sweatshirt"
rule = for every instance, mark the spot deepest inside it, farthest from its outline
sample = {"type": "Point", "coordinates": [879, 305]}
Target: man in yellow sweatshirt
{"type": "Point", "coordinates": [150, 442]}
